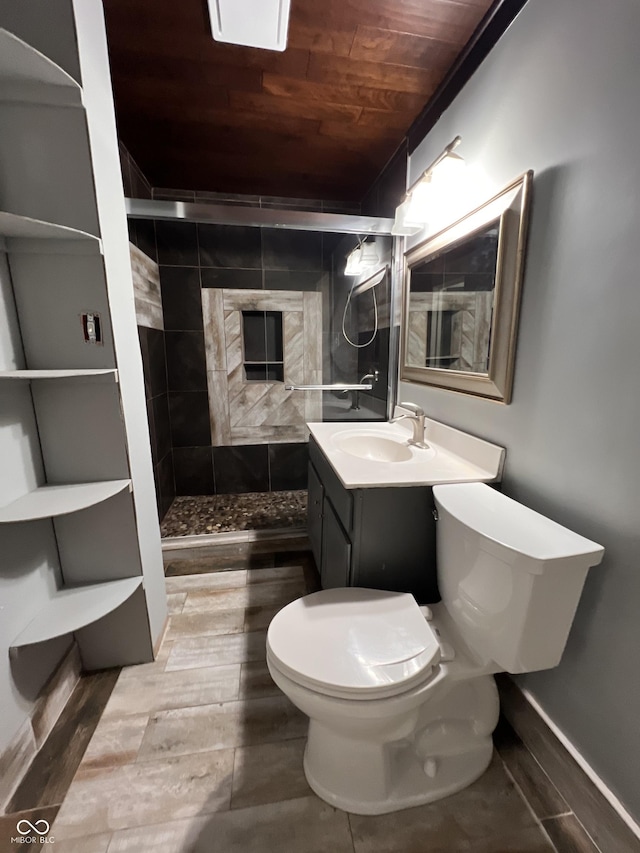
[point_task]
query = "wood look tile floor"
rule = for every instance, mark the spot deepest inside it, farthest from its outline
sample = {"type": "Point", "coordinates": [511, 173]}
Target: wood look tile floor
{"type": "Point", "coordinates": [199, 752]}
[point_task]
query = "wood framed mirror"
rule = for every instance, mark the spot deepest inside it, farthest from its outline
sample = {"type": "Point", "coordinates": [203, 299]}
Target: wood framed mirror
{"type": "Point", "coordinates": [462, 296]}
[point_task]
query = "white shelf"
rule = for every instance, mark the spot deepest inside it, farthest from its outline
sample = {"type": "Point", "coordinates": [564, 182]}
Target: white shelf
{"type": "Point", "coordinates": [24, 234]}
{"type": "Point", "coordinates": [28, 75]}
{"type": "Point", "coordinates": [29, 375]}
{"type": "Point", "coordinates": [76, 607]}
{"type": "Point", "coordinates": [50, 501]}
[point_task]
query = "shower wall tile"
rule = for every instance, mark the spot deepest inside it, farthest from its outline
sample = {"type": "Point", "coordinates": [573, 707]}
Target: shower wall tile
{"type": "Point", "coordinates": [241, 469]}
{"type": "Point", "coordinates": [232, 246]}
{"type": "Point", "coordinates": [186, 364]}
{"type": "Point", "coordinates": [193, 467]}
{"type": "Point", "coordinates": [157, 362]}
{"type": "Point", "coordinates": [155, 384]}
{"type": "Point", "coordinates": [236, 278]}
{"type": "Point", "coordinates": [286, 250]}
{"type": "Point", "coordinates": [287, 433]}
{"type": "Point", "coordinates": [177, 243]}
{"type": "Point", "coordinates": [189, 413]}
{"type": "Point", "coordinates": [213, 314]}
{"type": "Point", "coordinates": [162, 425]}
{"type": "Point", "coordinates": [133, 234]}
{"type": "Point", "coordinates": [152, 432]}
{"type": "Point", "coordinates": [181, 301]}
{"type": "Point", "coordinates": [165, 484]}
{"type": "Point", "coordinates": [144, 352]}
{"type": "Point", "coordinates": [293, 280]}
{"type": "Point", "coordinates": [288, 464]}
{"type": "Point", "coordinates": [262, 300]}
{"type": "Point", "coordinates": [219, 407]}
{"type": "Point", "coordinates": [146, 237]}
{"type": "Point", "coordinates": [146, 289]}
{"type": "Point", "coordinates": [312, 319]}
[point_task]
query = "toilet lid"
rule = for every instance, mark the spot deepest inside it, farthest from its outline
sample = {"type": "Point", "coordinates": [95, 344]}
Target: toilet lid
{"type": "Point", "coordinates": [362, 641]}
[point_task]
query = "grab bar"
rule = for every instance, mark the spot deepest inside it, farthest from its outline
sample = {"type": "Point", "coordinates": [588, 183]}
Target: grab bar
{"type": "Point", "coordinates": [337, 387]}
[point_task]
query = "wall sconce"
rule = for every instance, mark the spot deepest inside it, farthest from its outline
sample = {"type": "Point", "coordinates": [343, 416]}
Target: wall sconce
{"type": "Point", "coordinates": [436, 184]}
{"type": "Point", "coordinates": [362, 258]}
{"type": "Point", "coordinates": [253, 23]}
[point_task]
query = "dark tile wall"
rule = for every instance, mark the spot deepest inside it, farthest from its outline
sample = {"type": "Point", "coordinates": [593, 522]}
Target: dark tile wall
{"type": "Point", "coordinates": [195, 256]}
{"type": "Point", "coordinates": [152, 348]}
{"type": "Point", "coordinates": [142, 233]}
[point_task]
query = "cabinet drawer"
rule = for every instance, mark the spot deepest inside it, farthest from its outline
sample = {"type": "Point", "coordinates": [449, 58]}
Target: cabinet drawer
{"type": "Point", "coordinates": [341, 498]}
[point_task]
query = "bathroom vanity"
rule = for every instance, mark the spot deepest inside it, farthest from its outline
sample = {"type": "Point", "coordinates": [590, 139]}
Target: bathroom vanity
{"type": "Point", "coordinates": [371, 512]}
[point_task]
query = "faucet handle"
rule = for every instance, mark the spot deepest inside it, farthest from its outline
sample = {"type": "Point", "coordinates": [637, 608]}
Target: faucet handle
{"type": "Point", "coordinates": [412, 407]}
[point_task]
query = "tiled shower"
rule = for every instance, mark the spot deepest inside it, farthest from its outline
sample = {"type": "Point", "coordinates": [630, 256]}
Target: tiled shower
{"type": "Point", "coordinates": [266, 275]}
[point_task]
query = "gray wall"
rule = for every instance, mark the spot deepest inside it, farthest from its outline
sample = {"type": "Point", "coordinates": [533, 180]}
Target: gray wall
{"type": "Point", "coordinates": [559, 94]}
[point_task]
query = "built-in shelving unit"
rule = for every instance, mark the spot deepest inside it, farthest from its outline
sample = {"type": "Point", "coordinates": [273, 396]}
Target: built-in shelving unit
{"type": "Point", "coordinates": [76, 607]}
{"type": "Point", "coordinates": [63, 391]}
{"type": "Point", "coordinates": [23, 232]}
{"type": "Point", "coordinates": [50, 501]}
{"type": "Point", "coordinates": [28, 75]}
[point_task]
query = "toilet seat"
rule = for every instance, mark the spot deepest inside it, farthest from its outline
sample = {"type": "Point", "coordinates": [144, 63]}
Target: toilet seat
{"type": "Point", "coordinates": [353, 643]}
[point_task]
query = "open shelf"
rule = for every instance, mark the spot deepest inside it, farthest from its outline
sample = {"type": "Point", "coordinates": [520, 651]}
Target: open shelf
{"type": "Point", "coordinates": [21, 232]}
{"type": "Point", "coordinates": [50, 501]}
{"type": "Point", "coordinates": [76, 607]}
{"type": "Point", "coordinates": [28, 75]}
{"type": "Point", "coordinates": [29, 375]}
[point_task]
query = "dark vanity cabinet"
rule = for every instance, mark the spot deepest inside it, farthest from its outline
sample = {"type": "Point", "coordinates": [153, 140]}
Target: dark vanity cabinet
{"type": "Point", "coordinates": [382, 538]}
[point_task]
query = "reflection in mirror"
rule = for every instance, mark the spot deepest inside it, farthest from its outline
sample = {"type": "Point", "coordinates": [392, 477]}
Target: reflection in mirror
{"type": "Point", "coordinates": [462, 291]}
{"type": "Point", "coordinates": [450, 306]}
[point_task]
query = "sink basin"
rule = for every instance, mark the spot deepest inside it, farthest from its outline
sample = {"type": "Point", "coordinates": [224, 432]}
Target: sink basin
{"type": "Point", "coordinates": [376, 448]}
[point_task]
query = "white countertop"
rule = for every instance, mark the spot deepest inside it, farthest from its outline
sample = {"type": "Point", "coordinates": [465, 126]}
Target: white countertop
{"type": "Point", "coordinates": [453, 456]}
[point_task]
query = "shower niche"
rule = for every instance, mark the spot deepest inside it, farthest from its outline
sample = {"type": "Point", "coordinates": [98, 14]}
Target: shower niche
{"type": "Point", "coordinates": [262, 344]}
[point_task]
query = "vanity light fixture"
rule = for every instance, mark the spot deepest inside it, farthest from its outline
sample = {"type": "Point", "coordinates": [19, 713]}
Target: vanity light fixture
{"type": "Point", "coordinates": [422, 198]}
{"type": "Point", "coordinates": [252, 23]}
{"type": "Point", "coordinates": [362, 259]}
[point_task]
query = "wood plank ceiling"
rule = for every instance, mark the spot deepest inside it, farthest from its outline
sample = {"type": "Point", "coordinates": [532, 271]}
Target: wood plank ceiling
{"type": "Point", "coordinates": [319, 120]}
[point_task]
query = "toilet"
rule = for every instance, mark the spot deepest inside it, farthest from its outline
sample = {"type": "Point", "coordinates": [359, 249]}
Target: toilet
{"type": "Point", "coordinates": [401, 699]}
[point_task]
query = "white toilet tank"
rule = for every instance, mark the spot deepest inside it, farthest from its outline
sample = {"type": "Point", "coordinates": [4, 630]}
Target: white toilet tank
{"type": "Point", "coordinates": [509, 577]}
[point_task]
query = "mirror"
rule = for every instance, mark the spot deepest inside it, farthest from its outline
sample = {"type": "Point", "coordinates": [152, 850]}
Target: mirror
{"type": "Point", "coordinates": [461, 298]}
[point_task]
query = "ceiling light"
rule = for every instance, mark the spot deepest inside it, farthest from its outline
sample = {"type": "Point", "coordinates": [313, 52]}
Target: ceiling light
{"type": "Point", "coordinates": [363, 258]}
{"type": "Point", "coordinates": [253, 23]}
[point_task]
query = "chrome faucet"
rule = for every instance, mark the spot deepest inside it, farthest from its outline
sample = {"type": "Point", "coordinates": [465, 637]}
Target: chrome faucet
{"type": "Point", "coordinates": [417, 416]}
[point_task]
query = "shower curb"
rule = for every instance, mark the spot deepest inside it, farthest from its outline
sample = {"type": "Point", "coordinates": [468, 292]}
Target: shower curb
{"type": "Point", "coordinates": [235, 537]}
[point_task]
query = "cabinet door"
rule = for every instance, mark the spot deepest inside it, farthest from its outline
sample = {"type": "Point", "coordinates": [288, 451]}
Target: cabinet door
{"type": "Point", "coordinates": [336, 551]}
{"type": "Point", "coordinates": [314, 515]}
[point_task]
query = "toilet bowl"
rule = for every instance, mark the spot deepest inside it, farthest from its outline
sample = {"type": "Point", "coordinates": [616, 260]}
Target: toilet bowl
{"type": "Point", "coordinates": [401, 700]}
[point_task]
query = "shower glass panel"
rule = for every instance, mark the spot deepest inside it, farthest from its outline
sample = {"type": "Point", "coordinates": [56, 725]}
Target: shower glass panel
{"type": "Point", "coordinates": [357, 346]}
